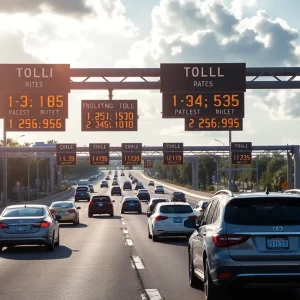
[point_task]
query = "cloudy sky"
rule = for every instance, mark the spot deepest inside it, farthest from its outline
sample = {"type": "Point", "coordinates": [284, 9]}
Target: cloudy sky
{"type": "Point", "coordinates": [135, 33]}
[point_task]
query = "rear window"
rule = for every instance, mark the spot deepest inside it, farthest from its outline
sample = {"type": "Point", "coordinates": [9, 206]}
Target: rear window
{"type": "Point", "coordinates": [116, 188]}
{"type": "Point", "coordinates": [158, 201]}
{"type": "Point", "coordinates": [104, 181]}
{"type": "Point", "coordinates": [268, 211]}
{"type": "Point", "coordinates": [24, 212]}
{"type": "Point", "coordinates": [62, 205]}
{"type": "Point", "coordinates": [131, 200]}
{"type": "Point", "coordinates": [176, 209]}
{"type": "Point", "coordinates": [101, 199]}
{"type": "Point", "coordinates": [82, 189]}
{"type": "Point", "coordinates": [143, 191]}
{"type": "Point", "coordinates": [159, 186]}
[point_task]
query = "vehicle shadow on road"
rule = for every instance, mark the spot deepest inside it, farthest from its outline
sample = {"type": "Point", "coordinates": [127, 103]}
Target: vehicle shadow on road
{"type": "Point", "coordinates": [80, 225]}
{"type": "Point", "coordinates": [107, 217]}
{"type": "Point", "coordinates": [182, 242]}
{"type": "Point", "coordinates": [35, 253]}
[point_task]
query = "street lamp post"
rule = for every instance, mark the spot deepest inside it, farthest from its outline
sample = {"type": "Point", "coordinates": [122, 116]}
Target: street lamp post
{"type": "Point", "coordinates": [5, 166]}
{"type": "Point", "coordinates": [222, 155]}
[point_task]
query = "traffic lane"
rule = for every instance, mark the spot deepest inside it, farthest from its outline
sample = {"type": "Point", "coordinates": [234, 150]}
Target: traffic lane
{"type": "Point", "coordinates": [190, 199]}
{"type": "Point", "coordinates": [92, 262]}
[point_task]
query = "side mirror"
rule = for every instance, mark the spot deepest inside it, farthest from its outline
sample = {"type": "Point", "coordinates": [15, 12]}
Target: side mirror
{"type": "Point", "coordinates": [197, 226]}
{"type": "Point", "coordinates": [148, 214]}
{"type": "Point", "coordinates": [78, 207]}
{"type": "Point", "coordinates": [113, 201]}
{"type": "Point", "coordinates": [57, 217]}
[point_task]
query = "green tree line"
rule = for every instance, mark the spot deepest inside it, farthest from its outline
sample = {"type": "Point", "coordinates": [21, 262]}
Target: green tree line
{"type": "Point", "coordinates": [269, 171]}
{"type": "Point", "coordinates": [17, 168]}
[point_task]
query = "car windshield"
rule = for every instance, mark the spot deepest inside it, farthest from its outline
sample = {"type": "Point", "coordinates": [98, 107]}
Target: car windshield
{"type": "Point", "coordinates": [176, 209]}
{"type": "Point", "coordinates": [82, 189]}
{"type": "Point", "coordinates": [178, 194]}
{"type": "Point", "coordinates": [62, 205]}
{"type": "Point", "coordinates": [268, 211]}
{"type": "Point", "coordinates": [131, 199]}
{"type": "Point", "coordinates": [143, 191]}
{"type": "Point", "coordinates": [159, 186]}
{"type": "Point", "coordinates": [24, 212]}
{"type": "Point", "coordinates": [104, 181]}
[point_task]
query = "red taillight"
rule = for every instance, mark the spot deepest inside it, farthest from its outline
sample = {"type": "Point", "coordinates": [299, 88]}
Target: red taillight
{"type": "Point", "coordinates": [192, 218]}
{"type": "Point", "coordinates": [161, 218]}
{"type": "Point", "coordinates": [90, 203]}
{"type": "Point", "coordinates": [3, 225]}
{"type": "Point", "coordinates": [52, 211]}
{"type": "Point", "coordinates": [44, 224]}
{"type": "Point", "coordinates": [227, 240]}
{"type": "Point", "coordinates": [71, 211]}
{"type": "Point", "coordinates": [224, 275]}
{"type": "Point", "coordinates": [108, 203]}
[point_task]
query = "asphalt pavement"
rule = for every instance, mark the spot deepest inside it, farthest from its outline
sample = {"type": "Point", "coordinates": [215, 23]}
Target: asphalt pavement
{"type": "Point", "coordinates": [104, 258]}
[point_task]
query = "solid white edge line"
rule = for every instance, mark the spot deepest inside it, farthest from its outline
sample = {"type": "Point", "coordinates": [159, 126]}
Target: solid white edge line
{"type": "Point", "coordinates": [171, 188]}
{"type": "Point", "coordinates": [138, 263]}
{"type": "Point", "coordinates": [153, 294]}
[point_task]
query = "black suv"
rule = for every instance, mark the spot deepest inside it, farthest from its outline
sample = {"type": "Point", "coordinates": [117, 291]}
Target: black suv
{"type": "Point", "coordinates": [82, 193]}
{"type": "Point", "coordinates": [178, 197]}
{"type": "Point", "coordinates": [127, 185]}
{"type": "Point", "coordinates": [116, 190]}
{"type": "Point", "coordinates": [104, 183]}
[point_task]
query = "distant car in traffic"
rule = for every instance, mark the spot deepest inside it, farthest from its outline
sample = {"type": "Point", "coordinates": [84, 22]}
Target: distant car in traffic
{"type": "Point", "coordinates": [82, 193]}
{"type": "Point", "coordinates": [134, 180]}
{"type": "Point", "coordinates": [153, 202]}
{"type": "Point", "coordinates": [178, 197]}
{"type": "Point", "coordinates": [116, 190]}
{"type": "Point", "coordinates": [151, 183]}
{"type": "Point", "coordinates": [143, 195]}
{"type": "Point", "coordinates": [171, 219]}
{"type": "Point", "coordinates": [122, 174]}
{"type": "Point", "coordinates": [107, 178]}
{"type": "Point", "coordinates": [127, 185]}
{"type": "Point", "coordinates": [130, 204]}
{"type": "Point", "coordinates": [29, 224]}
{"type": "Point", "coordinates": [200, 207]}
{"type": "Point", "coordinates": [159, 189]}
{"type": "Point", "coordinates": [83, 182]}
{"type": "Point", "coordinates": [104, 183]}
{"type": "Point", "coordinates": [115, 183]}
{"type": "Point", "coordinates": [139, 186]}
{"type": "Point", "coordinates": [101, 205]}
{"type": "Point", "coordinates": [66, 210]}
{"type": "Point", "coordinates": [91, 186]}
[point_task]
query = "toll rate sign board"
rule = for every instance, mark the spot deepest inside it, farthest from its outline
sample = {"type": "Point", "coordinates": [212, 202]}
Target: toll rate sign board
{"type": "Point", "coordinates": [172, 154]}
{"type": "Point", "coordinates": [241, 153]}
{"type": "Point", "coordinates": [132, 154]}
{"type": "Point", "coordinates": [66, 154]}
{"type": "Point", "coordinates": [99, 154]}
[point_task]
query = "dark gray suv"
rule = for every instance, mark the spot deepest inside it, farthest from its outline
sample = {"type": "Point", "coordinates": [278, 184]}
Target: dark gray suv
{"type": "Point", "coordinates": [245, 239]}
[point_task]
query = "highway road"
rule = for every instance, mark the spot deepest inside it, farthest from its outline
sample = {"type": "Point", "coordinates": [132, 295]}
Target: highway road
{"type": "Point", "coordinates": [105, 259]}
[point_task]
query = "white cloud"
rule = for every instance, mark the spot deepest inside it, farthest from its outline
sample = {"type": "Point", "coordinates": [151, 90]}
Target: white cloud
{"type": "Point", "coordinates": [248, 127]}
{"type": "Point", "coordinates": [238, 6]}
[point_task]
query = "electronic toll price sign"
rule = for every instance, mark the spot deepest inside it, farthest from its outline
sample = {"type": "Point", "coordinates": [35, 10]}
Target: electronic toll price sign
{"type": "Point", "coordinates": [148, 163]}
{"type": "Point", "coordinates": [214, 124]}
{"type": "Point", "coordinates": [132, 153]}
{"type": "Point", "coordinates": [28, 105]}
{"type": "Point", "coordinates": [190, 105]}
{"type": "Point", "coordinates": [172, 154]}
{"type": "Point", "coordinates": [34, 124]}
{"type": "Point", "coordinates": [208, 78]}
{"type": "Point", "coordinates": [241, 153]}
{"type": "Point", "coordinates": [106, 115]}
{"type": "Point", "coordinates": [66, 154]}
{"type": "Point", "coordinates": [99, 154]}
{"type": "Point", "coordinates": [34, 78]}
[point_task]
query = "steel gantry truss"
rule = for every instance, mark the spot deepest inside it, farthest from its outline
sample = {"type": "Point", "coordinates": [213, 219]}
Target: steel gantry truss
{"type": "Point", "coordinates": [142, 78]}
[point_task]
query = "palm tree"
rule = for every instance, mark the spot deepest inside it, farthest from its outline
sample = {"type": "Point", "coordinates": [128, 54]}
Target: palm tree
{"type": "Point", "coordinates": [27, 144]}
{"type": "Point", "coordinates": [52, 142]}
{"type": "Point", "coordinates": [10, 142]}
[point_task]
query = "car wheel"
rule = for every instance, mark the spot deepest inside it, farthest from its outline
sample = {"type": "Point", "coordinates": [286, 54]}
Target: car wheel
{"type": "Point", "coordinates": [56, 244]}
{"type": "Point", "coordinates": [211, 291]}
{"type": "Point", "coordinates": [194, 281]}
{"type": "Point", "coordinates": [122, 211]}
{"type": "Point", "coordinates": [112, 215]}
{"type": "Point", "coordinates": [90, 215]}
{"type": "Point", "coordinates": [1, 248]}
{"type": "Point", "coordinates": [139, 212]}
{"type": "Point", "coordinates": [50, 247]}
{"type": "Point", "coordinates": [154, 237]}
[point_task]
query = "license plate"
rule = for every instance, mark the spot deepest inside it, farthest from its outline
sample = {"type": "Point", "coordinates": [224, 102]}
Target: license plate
{"type": "Point", "coordinates": [277, 243]}
{"type": "Point", "coordinates": [131, 204]}
{"type": "Point", "coordinates": [21, 228]}
{"type": "Point", "coordinates": [177, 220]}
{"type": "Point", "coordinates": [100, 204]}
{"type": "Point", "coordinates": [81, 194]}
{"type": "Point", "coordinates": [62, 213]}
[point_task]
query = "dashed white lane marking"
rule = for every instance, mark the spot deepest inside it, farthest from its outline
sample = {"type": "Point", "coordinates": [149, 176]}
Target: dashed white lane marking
{"type": "Point", "coordinates": [125, 231]}
{"type": "Point", "coordinates": [153, 294]}
{"type": "Point", "coordinates": [138, 262]}
{"type": "Point", "coordinates": [123, 223]}
{"type": "Point", "coordinates": [129, 242]}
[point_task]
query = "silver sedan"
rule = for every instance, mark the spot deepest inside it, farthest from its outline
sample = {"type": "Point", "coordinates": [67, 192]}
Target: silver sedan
{"type": "Point", "coordinates": [28, 225]}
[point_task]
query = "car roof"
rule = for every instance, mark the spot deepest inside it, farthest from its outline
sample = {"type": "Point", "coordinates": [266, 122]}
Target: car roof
{"type": "Point", "coordinates": [158, 199]}
{"type": "Point", "coordinates": [130, 198]}
{"type": "Point", "coordinates": [81, 186]}
{"type": "Point", "coordinates": [68, 201]}
{"type": "Point", "coordinates": [173, 203]}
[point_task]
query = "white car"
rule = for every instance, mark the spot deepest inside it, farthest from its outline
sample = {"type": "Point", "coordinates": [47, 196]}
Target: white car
{"type": "Point", "coordinates": [159, 189]}
{"type": "Point", "coordinates": [171, 219]}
